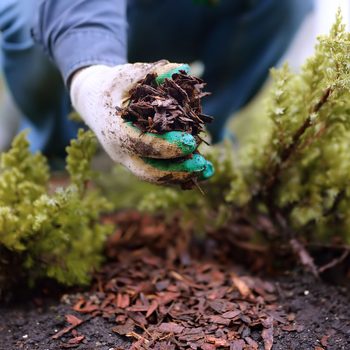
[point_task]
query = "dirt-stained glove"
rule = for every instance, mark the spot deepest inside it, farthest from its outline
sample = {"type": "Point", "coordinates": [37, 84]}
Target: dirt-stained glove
{"type": "Point", "coordinates": [96, 91]}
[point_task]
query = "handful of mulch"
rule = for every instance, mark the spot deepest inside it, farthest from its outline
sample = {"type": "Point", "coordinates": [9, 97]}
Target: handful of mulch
{"type": "Point", "coordinates": [173, 105]}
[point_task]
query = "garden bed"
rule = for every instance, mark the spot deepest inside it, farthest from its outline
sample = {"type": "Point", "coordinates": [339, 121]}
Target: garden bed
{"type": "Point", "coordinates": [175, 293]}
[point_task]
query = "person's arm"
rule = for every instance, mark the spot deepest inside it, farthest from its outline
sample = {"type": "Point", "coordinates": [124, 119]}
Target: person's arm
{"type": "Point", "coordinates": [87, 41]}
{"type": "Point", "coordinates": [80, 33]}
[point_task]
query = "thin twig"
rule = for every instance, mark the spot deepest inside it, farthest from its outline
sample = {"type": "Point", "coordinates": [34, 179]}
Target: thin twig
{"type": "Point", "coordinates": [197, 185]}
{"type": "Point", "coordinates": [304, 256]}
{"type": "Point", "coordinates": [334, 262]}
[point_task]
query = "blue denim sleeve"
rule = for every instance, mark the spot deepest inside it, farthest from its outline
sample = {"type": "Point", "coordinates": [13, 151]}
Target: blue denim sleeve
{"type": "Point", "coordinates": [79, 33]}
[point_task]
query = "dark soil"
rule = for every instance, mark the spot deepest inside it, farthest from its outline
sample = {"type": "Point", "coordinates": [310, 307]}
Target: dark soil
{"type": "Point", "coordinates": [31, 327]}
{"type": "Point", "coordinates": [321, 314]}
{"type": "Point", "coordinates": [158, 291]}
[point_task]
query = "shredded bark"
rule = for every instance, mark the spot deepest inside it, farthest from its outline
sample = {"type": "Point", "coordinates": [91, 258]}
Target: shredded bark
{"type": "Point", "coordinates": [158, 292]}
{"type": "Point", "coordinates": [172, 105]}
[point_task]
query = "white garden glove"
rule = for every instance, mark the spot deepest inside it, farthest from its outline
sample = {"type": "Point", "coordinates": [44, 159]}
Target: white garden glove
{"type": "Point", "coordinates": [96, 91]}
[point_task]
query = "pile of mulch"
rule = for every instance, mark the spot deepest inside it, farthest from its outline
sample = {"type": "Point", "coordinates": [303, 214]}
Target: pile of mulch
{"type": "Point", "coordinates": [159, 291]}
{"type": "Point", "coordinates": [199, 306]}
{"type": "Point", "coordinates": [173, 105]}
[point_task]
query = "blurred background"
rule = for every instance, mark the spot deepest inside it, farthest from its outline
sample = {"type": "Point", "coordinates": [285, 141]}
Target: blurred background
{"type": "Point", "coordinates": [319, 22]}
{"type": "Point", "coordinates": [316, 23]}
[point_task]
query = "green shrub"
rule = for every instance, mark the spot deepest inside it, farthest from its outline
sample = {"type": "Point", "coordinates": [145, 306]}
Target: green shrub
{"type": "Point", "coordinates": [294, 172]}
{"type": "Point", "coordinates": [46, 233]}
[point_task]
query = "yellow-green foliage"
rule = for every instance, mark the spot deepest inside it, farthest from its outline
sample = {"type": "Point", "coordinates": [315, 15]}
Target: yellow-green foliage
{"type": "Point", "coordinates": [312, 185]}
{"type": "Point", "coordinates": [300, 168]}
{"type": "Point", "coordinates": [57, 233]}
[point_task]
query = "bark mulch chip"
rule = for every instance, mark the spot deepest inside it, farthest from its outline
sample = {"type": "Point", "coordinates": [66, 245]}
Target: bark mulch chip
{"type": "Point", "coordinates": [173, 105]}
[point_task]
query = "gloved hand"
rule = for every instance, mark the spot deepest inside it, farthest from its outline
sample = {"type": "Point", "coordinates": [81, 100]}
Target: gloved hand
{"type": "Point", "coordinates": [96, 91]}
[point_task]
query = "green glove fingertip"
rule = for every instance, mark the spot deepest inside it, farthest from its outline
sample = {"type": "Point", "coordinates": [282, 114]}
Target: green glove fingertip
{"type": "Point", "coordinates": [195, 164]}
{"type": "Point", "coordinates": [208, 172]}
{"type": "Point", "coordinates": [184, 141]}
{"type": "Point", "coordinates": [168, 75]}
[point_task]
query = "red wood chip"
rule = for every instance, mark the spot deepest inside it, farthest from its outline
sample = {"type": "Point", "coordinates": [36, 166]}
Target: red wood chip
{"type": "Point", "coordinates": [170, 327]}
{"type": "Point", "coordinates": [237, 344]}
{"type": "Point", "coordinates": [241, 286]}
{"type": "Point", "coordinates": [217, 341]}
{"type": "Point", "coordinates": [252, 343]}
{"type": "Point", "coordinates": [324, 340]}
{"type": "Point", "coordinates": [267, 335]}
{"type": "Point", "coordinates": [83, 306]}
{"type": "Point", "coordinates": [152, 308]}
{"type": "Point", "coordinates": [124, 329]}
{"type": "Point", "coordinates": [219, 320]}
{"type": "Point", "coordinates": [76, 340]}
{"type": "Point", "coordinates": [231, 314]}
{"type": "Point", "coordinates": [73, 320]}
{"type": "Point", "coordinates": [123, 300]}
{"type": "Point", "coordinates": [207, 346]}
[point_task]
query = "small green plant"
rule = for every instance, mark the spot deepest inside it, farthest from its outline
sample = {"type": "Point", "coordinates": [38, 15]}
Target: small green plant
{"type": "Point", "coordinates": [295, 172]}
{"type": "Point", "coordinates": [49, 233]}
